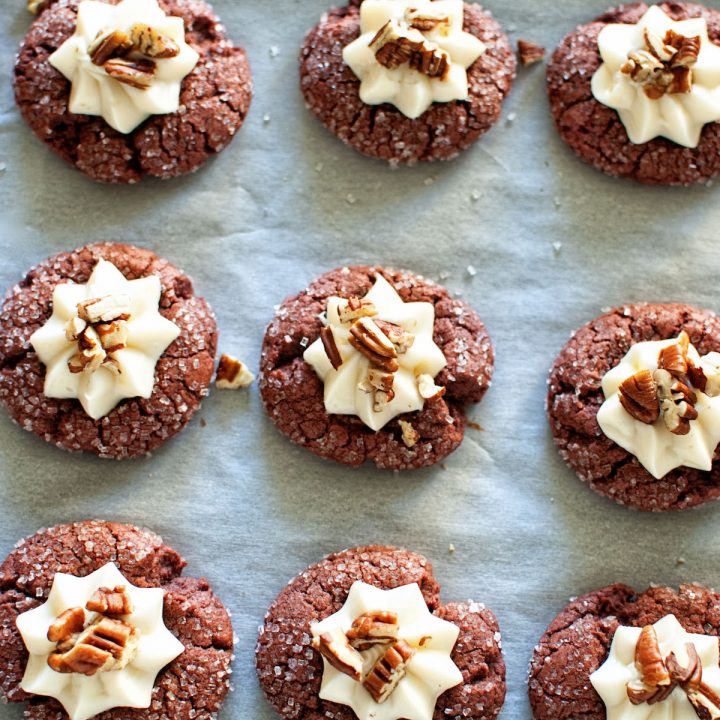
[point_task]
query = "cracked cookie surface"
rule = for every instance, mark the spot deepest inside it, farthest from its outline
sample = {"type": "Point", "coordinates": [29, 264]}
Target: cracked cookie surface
{"type": "Point", "coordinates": [578, 642]}
{"type": "Point", "coordinates": [214, 101]}
{"type": "Point", "coordinates": [575, 396]}
{"type": "Point", "coordinates": [331, 92]}
{"type": "Point", "coordinates": [293, 394]}
{"type": "Point", "coordinates": [322, 589]}
{"type": "Point", "coordinates": [194, 685]}
{"type": "Point", "coordinates": [596, 133]}
{"type": "Point", "coordinates": [136, 426]}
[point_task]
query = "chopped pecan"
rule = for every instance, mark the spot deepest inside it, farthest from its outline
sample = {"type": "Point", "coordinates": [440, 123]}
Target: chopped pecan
{"type": "Point", "coordinates": [529, 52]}
{"type": "Point", "coordinates": [657, 46]}
{"type": "Point", "coordinates": [398, 336]}
{"type": "Point", "coordinates": [91, 354]}
{"type": "Point", "coordinates": [68, 623]}
{"type": "Point", "coordinates": [677, 402]}
{"type": "Point", "coordinates": [37, 6]}
{"type": "Point", "coordinates": [367, 338]}
{"type": "Point", "coordinates": [393, 48]}
{"type": "Point", "coordinates": [104, 309]}
{"type": "Point", "coordinates": [410, 435]}
{"type": "Point", "coordinates": [681, 82]}
{"type": "Point", "coordinates": [105, 47]}
{"type": "Point", "coordinates": [151, 43]}
{"type": "Point", "coordinates": [355, 308]}
{"type": "Point", "coordinates": [426, 20]}
{"type": "Point", "coordinates": [336, 649]}
{"type": "Point", "coordinates": [381, 384]}
{"type": "Point", "coordinates": [137, 73]}
{"type": "Point", "coordinates": [113, 335]}
{"type": "Point", "coordinates": [687, 49]}
{"type": "Point", "coordinates": [110, 602]}
{"type": "Point", "coordinates": [373, 628]}
{"type": "Point", "coordinates": [232, 374]}
{"type": "Point", "coordinates": [638, 396]}
{"type": "Point", "coordinates": [428, 389]}
{"type": "Point", "coordinates": [331, 349]}
{"type": "Point", "coordinates": [388, 671]}
{"type": "Point", "coordinates": [104, 646]}
{"type": "Point", "coordinates": [74, 327]}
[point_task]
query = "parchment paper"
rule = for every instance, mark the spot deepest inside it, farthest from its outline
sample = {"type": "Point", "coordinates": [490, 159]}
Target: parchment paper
{"type": "Point", "coordinates": [552, 241]}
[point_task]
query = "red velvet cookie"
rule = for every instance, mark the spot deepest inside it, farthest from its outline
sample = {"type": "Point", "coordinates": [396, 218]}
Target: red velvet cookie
{"type": "Point", "coordinates": [595, 132]}
{"type": "Point", "coordinates": [193, 685]}
{"type": "Point", "coordinates": [578, 640]}
{"type": "Point", "coordinates": [136, 426]}
{"type": "Point", "coordinates": [292, 392]}
{"type": "Point", "coordinates": [290, 670]}
{"type": "Point", "coordinates": [215, 98]}
{"type": "Point", "coordinates": [575, 396]}
{"type": "Point", "coordinates": [332, 92]}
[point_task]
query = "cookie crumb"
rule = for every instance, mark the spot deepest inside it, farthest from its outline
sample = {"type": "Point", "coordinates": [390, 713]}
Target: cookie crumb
{"type": "Point", "coordinates": [511, 118]}
{"type": "Point", "coordinates": [681, 560]}
{"type": "Point", "coordinates": [451, 548]}
{"type": "Point", "coordinates": [274, 51]}
{"type": "Point", "coordinates": [475, 426]}
{"type": "Point", "coordinates": [350, 199]}
{"type": "Point", "coordinates": [471, 271]}
{"type": "Point", "coordinates": [266, 119]}
{"type": "Point", "coordinates": [203, 422]}
{"type": "Point", "coordinates": [557, 247]}
{"type": "Point", "coordinates": [233, 374]}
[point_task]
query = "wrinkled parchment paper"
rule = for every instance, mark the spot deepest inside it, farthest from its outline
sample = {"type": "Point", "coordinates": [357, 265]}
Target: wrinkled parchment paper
{"type": "Point", "coordinates": [552, 242]}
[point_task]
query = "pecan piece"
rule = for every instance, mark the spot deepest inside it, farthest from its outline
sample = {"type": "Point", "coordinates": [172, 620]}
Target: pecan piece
{"type": "Point", "coordinates": [658, 47]}
{"type": "Point", "coordinates": [381, 384]}
{"type": "Point", "coordinates": [410, 436]}
{"type": "Point", "coordinates": [113, 335]}
{"type": "Point", "coordinates": [104, 309]}
{"type": "Point", "coordinates": [367, 338]}
{"type": "Point", "coordinates": [331, 349]}
{"type": "Point", "coordinates": [66, 625]}
{"type": "Point", "coordinates": [529, 52]}
{"type": "Point", "coordinates": [91, 355]}
{"type": "Point", "coordinates": [674, 358]}
{"type": "Point", "coordinates": [336, 649]}
{"type": "Point", "coordinates": [393, 48]}
{"type": "Point", "coordinates": [398, 336]}
{"type": "Point", "coordinates": [687, 49]}
{"type": "Point", "coordinates": [355, 308]}
{"type": "Point", "coordinates": [106, 47]}
{"type": "Point", "coordinates": [425, 20]}
{"type": "Point", "coordinates": [151, 43]}
{"type": "Point", "coordinates": [428, 389]}
{"type": "Point", "coordinates": [110, 602]}
{"type": "Point", "coordinates": [232, 374]}
{"type": "Point", "coordinates": [74, 328]}
{"type": "Point", "coordinates": [138, 73]}
{"type": "Point", "coordinates": [677, 402]}
{"type": "Point", "coordinates": [37, 6]}
{"type": "Point", "coordinates": [639, 398]}
{"type": "Point", "coordinates": [373, 628]}
{"type": "Point", "coordinates": [388, 671]}
{"type": "Point", "coordinates": [648, 659]}
{"type": "Point", "coordinates": [104, 646]}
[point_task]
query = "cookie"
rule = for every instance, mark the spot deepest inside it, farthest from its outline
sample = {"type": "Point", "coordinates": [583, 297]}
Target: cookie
{"type": "Point", "coordinates": [332, 92]}
{"type": "Point", "coordinates": [293, 393]}
{"type": "Point", "coordinates": [575, 396]}
{"type": "Point", "coordinates": [596, 133]}
{"type": "Point", "coordinates": [193, 685]}
{"type": "Point", "coordinates": [136, 425]}
{"type": "Point", "coordinates": [578, 641]}
{"type": "Point", "coordinates": [214, 100]}
{"type": "Point", "coordinates": [290, 671]}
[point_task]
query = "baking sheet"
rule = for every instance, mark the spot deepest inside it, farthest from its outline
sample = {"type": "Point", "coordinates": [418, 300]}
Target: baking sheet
{"type": "Point", "coordinates": [552, 241]}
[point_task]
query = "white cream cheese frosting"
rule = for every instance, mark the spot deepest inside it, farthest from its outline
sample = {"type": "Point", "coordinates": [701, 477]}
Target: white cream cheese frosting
{"type": "Point", "coordinates": [678, 116]}
{"type": "Point", "coordinates": [429, 672]}
{"type": "Point", "coordinates": [95, 92]}
{"type": "Point", "coordinates": [655, 446]}
{"type": "Point", "coordinates": [85, 696]}
{"type": "Point", "coordinates": [122, 373]}
{"type": "Point", "coordinates": [412, 92]}
{"type": "Point", "coordinates": [611, 680]}
{"type": "Point", "coordinates": [346, 391]}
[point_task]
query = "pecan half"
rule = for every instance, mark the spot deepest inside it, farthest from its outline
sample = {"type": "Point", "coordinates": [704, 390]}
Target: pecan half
{"type": "Point", "coordinates": [111, 45]}
{"type": "Point", "coordinates": [66, 625]}
{"type": "Point", "coordinates": [151, 43]}
{"type": "Point", "coordinates": [674, 360]}
{"type": "Point", "coordinates": [648, 659]}
{"type": "Point", "coordinates": [104, 646]}
{"type": "Point", "coordinates": [137, 73]}
{"type": "Point", "coordinates": [355, 308]}
{"type": "Point", "coordinates": [388, 671]}
{"type": "Point", "coordinates": [410, 436]}
{"type": "Point", "coordinates": [110, 602]}
{"type": "Point", "coordinates": [367, 338]}
{"type": "Point", "coordinates": [373, 628]}
{"type": "Point", "coordinates": [529, 52]}
{"type": "Point", "coordinates": [331, 349]}
{"type": "Point", "coordinates": [336, 649]}
{"type": "Point", "coordinates": [232, 374]}
{"type": "Point", "coordinates": [677, 402]}
{"type": "Point", "coordinates": [638, 396]}
{"type": "Point", "coordinates": [687, 48]}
